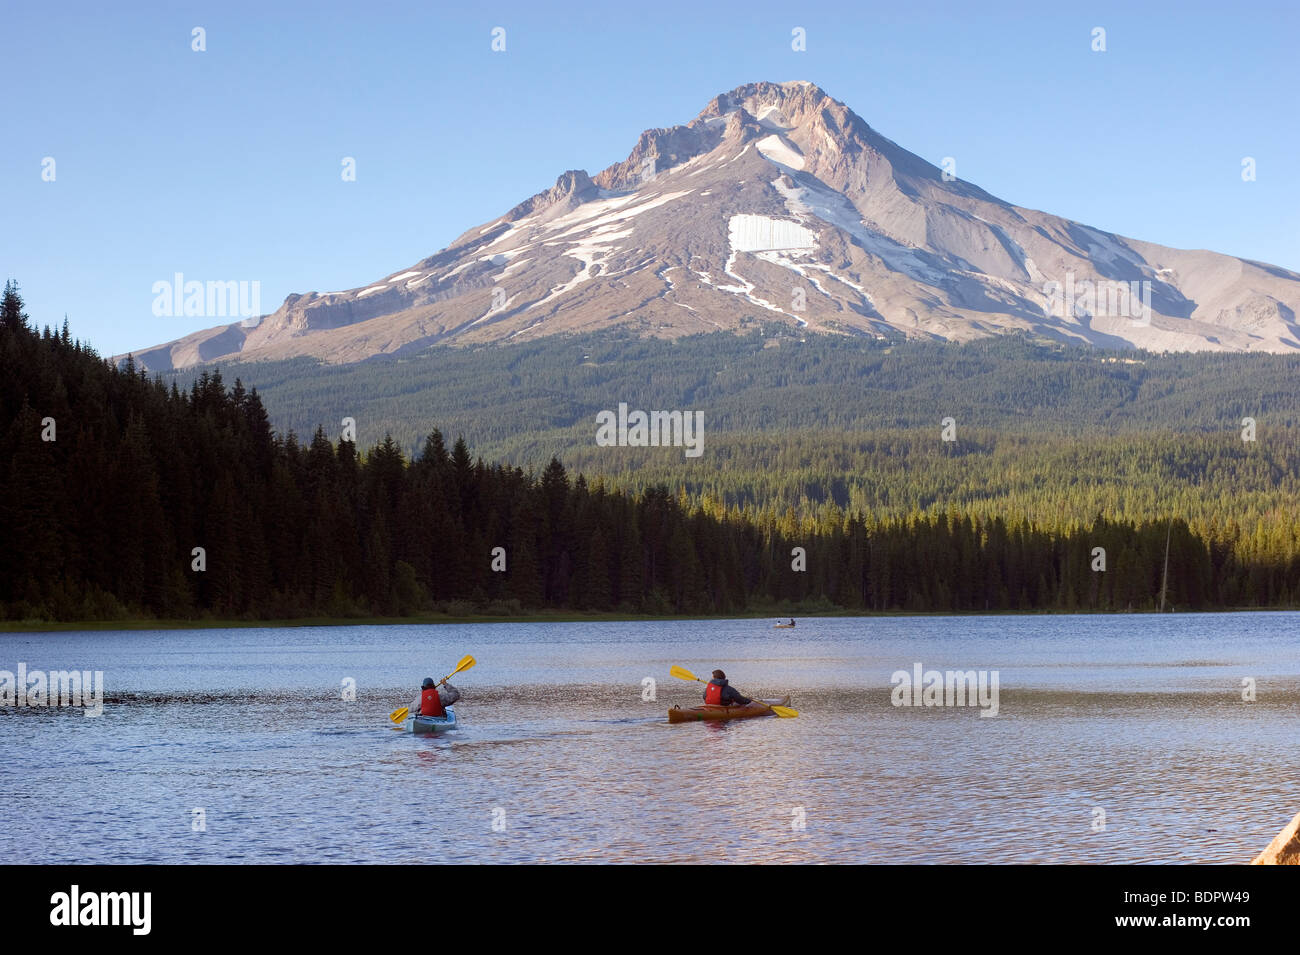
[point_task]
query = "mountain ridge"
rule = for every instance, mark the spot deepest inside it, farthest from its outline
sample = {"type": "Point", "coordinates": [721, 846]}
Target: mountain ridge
{"type": "Point", "coordinates": [777, 201]}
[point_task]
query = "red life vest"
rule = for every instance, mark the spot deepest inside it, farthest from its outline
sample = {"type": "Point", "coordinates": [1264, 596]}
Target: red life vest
{"type": "Point", "coordinates": [431, 703]}
{"type": "Point", "coordinates": [713, 694]}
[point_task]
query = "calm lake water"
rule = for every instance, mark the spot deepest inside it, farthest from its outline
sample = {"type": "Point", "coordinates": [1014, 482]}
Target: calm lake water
{"type": "Point", "coordinates": [1139, 717]}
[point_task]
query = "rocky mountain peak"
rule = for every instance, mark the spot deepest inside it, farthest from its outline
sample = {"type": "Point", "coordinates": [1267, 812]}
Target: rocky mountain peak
{"type": "Point", "coordinates": [778, 203]}
{"type": "Point", "coordinates": [571, 189]}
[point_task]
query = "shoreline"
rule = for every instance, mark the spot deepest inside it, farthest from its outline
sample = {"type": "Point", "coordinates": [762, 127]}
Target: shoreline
{"type": "Point", "coordinates": [558, 616]}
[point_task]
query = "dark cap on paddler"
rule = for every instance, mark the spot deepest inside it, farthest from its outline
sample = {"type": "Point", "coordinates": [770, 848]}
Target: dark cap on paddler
{"type": "Point", "coordinates": [719, 675]}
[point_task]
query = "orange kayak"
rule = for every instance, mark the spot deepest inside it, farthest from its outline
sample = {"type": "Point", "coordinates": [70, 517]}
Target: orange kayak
{"type": "Point", "coordinates": [709, 711]}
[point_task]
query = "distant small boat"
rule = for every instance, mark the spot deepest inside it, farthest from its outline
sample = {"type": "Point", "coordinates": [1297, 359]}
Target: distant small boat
{"type": "Point", "coordinates": [782, 626]}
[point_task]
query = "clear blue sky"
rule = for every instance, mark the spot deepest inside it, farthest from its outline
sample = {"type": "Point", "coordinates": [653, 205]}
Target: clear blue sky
{"type": "Point", "coordinates": [224, 165]}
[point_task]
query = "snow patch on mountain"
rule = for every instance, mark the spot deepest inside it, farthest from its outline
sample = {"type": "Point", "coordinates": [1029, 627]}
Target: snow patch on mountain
{"type": "Point", "coordinates": [776, 149]}
{"type": "Point", "coordinates": [754, 233]}
{"type": "Point", "coordinates": [617, 216]}
{"type": "Point", "coordinates": [765, 120]}
{"type": "Point", "coordinates": [832, 208]}
{"type": "Point", "coordinates": [801, 269]}
{"type": "Point", "coordinates": [866, 296]}
{"type": "Point", "coordinates": [592, 251]}
{"type": "Point", "coordinates": [1022, 257]}
{"type": "Point", "coordinates": [498, 259]}
{"type": "Point", "coordinates": [1104, 247]}
{"type": "Point", "coordinates": [738, 155]}
{"type": "Point", "coordinates": [746, 290]}
{"type": "Point", "coordinates": [493, 310]}
{"type": "Point", "coordinates": [512, 232]}
{"type": "Point", "coordinates": [514, 266]}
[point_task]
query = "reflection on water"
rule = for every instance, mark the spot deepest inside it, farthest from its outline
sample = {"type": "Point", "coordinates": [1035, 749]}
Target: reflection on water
{"type": "Point", "coordinates": [560, 759]}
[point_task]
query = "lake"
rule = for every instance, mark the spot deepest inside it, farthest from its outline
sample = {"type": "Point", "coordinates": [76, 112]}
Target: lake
{"type": "Point", "coordinates": [1117, 739]}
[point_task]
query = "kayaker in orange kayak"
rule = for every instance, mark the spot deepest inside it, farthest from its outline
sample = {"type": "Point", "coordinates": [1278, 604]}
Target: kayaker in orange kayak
{"type": "Point", "coordinates": [719, 692]}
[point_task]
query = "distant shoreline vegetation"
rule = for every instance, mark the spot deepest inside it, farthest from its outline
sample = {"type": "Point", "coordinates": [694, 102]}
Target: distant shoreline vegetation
{"type": "Point", "coordinates": [122, 498]}
{"type": "Point", "coordinates": [550, 617]}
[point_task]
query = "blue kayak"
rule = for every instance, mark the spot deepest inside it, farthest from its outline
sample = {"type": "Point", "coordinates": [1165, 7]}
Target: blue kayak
{"type": "Point", "coordinates": [431, 724]}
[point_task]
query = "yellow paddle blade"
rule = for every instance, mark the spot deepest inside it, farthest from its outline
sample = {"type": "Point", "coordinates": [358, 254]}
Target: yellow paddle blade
{"type": "Point", "coordinates": [683, 674]}
{"type": "Point", "coordinates": [465, 663]}
{"type": "Point", "coordinates": [785, 712]}
{"type": "Point", "coordinates": [397, 716]}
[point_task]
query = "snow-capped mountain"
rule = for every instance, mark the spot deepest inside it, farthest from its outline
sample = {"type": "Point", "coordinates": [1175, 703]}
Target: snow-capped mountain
{"type": "Point", "coordinates": [777, 202]}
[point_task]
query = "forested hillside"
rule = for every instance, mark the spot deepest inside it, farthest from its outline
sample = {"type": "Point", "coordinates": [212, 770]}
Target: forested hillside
{"type": "Point", "coordinates": [826, 424]}
{"type": "Point", "coordinates": [523, 399]}
{"type": "Point", "coordinates": [109, 482]}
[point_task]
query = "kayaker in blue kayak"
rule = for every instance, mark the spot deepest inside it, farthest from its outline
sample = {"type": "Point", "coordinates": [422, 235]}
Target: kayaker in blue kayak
{"type": "Point", "coordinates": [718, 692]}
{"type": "Point", "coordinates": [434, 699]}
